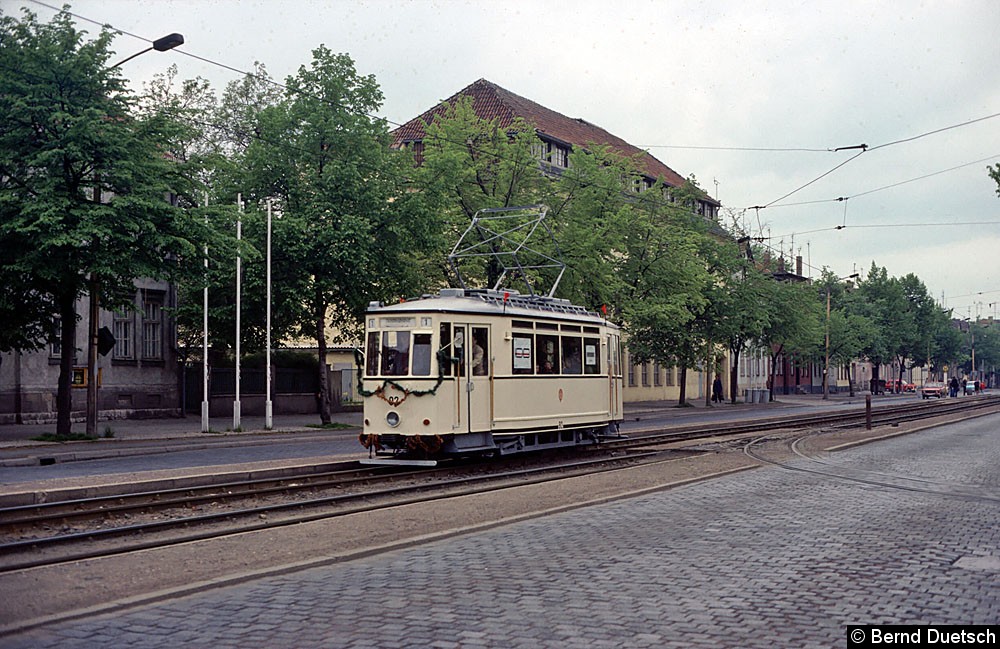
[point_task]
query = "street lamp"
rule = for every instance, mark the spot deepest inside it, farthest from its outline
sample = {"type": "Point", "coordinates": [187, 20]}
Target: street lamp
{"type": "Point", "coordinates": [826, 369]}
{"type": "Point", "coordinates": [160, 45]}
{"type": "Point", "coordinates": [168, 42]}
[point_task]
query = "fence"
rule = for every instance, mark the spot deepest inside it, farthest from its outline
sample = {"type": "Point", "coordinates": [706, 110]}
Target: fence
{"type": "Point", "coordinates": [293, 391]}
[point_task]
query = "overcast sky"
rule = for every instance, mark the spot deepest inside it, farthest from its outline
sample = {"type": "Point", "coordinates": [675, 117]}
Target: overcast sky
{"type": "Point", "coordinates": [705, 86]}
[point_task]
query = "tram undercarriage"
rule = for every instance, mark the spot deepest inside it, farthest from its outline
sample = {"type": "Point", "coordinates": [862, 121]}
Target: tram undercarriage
{"type": "Point", "coordinates": [426, 450]}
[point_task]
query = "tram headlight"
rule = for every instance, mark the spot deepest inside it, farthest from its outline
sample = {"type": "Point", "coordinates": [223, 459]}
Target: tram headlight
{"type": "Point", "coordinates": [392, 419]}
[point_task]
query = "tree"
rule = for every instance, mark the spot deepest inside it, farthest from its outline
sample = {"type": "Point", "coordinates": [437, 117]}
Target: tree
{"type": "Point", "coordinates": [881, 300]}
{"type": "Point", "coordinates": [795, 326]}
{"type": "Point", "coordinates": [82, 181]}
{"type": "Point", "coordinates": [471, 164]}
{"type": "Point", "coordinates": [347, 225]}
{"type": "Point", "coordinates": [665, 282]}
{"type": "Point", "coordinates": [917, 328]}
{"type": "Point", "coordinates": [741, 301]}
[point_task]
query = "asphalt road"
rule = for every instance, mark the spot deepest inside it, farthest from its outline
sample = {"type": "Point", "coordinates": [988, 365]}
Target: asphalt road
{"type": "Point", "coordinates": [164, 445]}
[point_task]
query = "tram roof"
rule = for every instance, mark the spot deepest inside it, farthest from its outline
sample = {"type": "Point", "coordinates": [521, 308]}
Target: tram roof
{"type": "Point", "coordinates": [496, 303]}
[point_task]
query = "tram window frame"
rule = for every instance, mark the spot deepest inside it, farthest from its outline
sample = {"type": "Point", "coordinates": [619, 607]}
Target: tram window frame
{"type": "Point", "coordinates": [444, 342]}
{"type": "Point", "coordinates": [518, 365]}
{"type": "Point", "coordinates": [548, 353]}
{"type": "Point", "coordinates": [421, 354]}
{"type": "Point", "coordinates": [459, 349]}
{"type": "Point", "coordinates": [550, 326]}
{"type": "Point", "coordinates": [572, 355]}
{"type": "Point", "coordinates": [371, 362]}
{"type": "Point", "coordinates": [396, 363]}
{"type": "Point", "coordinates": [522, 324]}
{"type": "Point", "coordinates": [593, 344]}
{"type": "Point", "coordinates": [481, 348]}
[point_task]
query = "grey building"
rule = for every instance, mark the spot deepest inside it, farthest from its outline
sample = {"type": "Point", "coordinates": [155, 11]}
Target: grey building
{"type": "Point", "coordinates": [139, 377]}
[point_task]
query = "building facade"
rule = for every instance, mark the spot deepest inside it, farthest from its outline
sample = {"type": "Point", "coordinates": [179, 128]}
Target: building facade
{"type": "Point", "coordinates": [138, 377]}
{"type": "Point", "coordinates": [557, 137]}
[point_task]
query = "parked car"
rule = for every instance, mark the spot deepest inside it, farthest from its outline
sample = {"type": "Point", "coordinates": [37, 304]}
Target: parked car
{"type": "Point", "coordinates": [895, 385]}
{"type": "Point", "coordinates": [933, 389]}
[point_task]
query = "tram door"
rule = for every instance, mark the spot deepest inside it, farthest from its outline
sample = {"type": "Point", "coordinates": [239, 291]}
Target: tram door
{"type": "Point", "coordinates": [615, 376]}
{"type": "Point", "coordinates": [475, 399]}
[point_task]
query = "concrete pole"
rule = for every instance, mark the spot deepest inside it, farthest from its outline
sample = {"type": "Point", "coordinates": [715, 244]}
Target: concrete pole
{"type": "Point", "coordinates": [268, 412]}
{"type": "Point", "coordinates": [239, 273]}
{"type": "Point", "coordinates": [205, 426]}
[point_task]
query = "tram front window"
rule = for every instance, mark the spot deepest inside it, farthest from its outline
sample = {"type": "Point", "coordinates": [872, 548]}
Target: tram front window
{"type": "Point", "coordinates": [395, 353]}
{"type": "Point", "coordinates": [421, 354]}
{"type": "Point", "coordinates": [371, 360]}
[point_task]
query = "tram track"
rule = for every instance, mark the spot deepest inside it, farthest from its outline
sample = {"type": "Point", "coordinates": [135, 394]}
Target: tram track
{"type": "Point", "coordinates": [101, 527]}
{"type": "Point", "coordinates": [792, 455]}
{"type": "Point", "coordinates": [37, 551]}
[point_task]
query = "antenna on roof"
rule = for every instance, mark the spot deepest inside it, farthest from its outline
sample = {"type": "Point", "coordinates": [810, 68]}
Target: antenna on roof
{"type": "Point", "coordinates": [502, 234]}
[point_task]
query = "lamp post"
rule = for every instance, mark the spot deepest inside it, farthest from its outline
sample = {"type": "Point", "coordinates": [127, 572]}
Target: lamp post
{"type": "Point", "coordinates": [826, 368]}
{"type": "Point", "coordinates": [160, 45]}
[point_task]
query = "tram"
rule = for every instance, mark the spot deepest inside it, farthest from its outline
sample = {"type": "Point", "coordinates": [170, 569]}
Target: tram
{"type": "Point", "coordinates": [490, 371]}
{"type": "Point", "coordinates": [487, 372]}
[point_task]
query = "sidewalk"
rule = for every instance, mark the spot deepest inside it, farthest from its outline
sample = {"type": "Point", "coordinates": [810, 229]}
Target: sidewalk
{"type": "Point", "coordinates": [19, 435]}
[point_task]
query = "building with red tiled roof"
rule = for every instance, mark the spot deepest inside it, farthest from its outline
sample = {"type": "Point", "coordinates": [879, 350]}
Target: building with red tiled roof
{"type": "Point", "coordinates": [558, 135]}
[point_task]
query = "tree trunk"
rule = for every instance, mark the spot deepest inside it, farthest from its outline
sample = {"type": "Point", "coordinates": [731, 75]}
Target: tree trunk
{"type": "Point", "coordinates": [771, 375]}
{"type": "Point", "coordinates": [67, 340]}
{"type": "Point", "coordinates": [324, 377]}
{"type": "Point", "coordinates": [709, 371]}
{"type": "Point", "coordinates": [683, 381]}
{"type": "Point", "coordinates": [733, 379]}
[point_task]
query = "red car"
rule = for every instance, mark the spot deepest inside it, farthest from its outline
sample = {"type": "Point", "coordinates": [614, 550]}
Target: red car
{"type": "Point", "coordinates": [933, 389]}
{"type": "Point", "coordinates": [895, 385]}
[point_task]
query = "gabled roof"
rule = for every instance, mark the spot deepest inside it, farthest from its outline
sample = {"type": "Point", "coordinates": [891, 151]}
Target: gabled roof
{"type": "Point", "coordinates": [490, 101]}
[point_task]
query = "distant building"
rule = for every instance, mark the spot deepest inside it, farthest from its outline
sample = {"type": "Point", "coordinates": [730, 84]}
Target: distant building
{"type": "Point", "coordinates": [558, 136]}
{"type": "Point", "coordinates": [137, 378]}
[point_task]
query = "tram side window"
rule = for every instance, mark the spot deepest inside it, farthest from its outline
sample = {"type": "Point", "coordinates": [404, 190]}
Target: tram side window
{"type": "Point", "coordinates": [446, 346]}
{"type": "Point", "coordinates": [571, 355]}
{"type": "Point", "coordinates": [371, 360]}
{"type": "Point", "coordinates": [591, 356]}
{"type": "Point", "coordinates": [480, 351]}
{"type": "Point", "coordinates": [421, 354]}
{"type": "Point", "coordinates": [395, 353]}
{"type": "Point", "coordinates": [522, 361]}
{"type": "Point", "coordinates": [548, 354]}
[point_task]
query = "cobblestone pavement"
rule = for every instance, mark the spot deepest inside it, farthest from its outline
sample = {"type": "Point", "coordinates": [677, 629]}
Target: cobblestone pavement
{"type": "Point", "coordinates": [757, 559]}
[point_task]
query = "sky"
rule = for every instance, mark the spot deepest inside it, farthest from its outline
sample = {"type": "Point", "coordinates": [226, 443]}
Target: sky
{"type": "Point", "coordinates": [750, 97]}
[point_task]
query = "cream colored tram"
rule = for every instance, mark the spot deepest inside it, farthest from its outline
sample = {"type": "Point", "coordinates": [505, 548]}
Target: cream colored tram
{"type": "Point", "coordinates": [487, 372]}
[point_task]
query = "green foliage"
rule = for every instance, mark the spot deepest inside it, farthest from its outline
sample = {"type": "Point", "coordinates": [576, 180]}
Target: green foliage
{"type": "Point", "coordinates": [84, 184]}
{"type": "Point", "coordinates": [471, 164]}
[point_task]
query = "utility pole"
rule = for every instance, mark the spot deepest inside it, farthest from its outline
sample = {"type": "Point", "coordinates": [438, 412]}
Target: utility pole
{"type": "Point", "coordinates": [94, 283]}
{"type": "Point", "coordinates": [826, 367]}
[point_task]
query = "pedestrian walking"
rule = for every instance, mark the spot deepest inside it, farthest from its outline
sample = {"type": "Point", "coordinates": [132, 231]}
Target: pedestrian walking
{"type": "Point", "coordinates": [717, 389]}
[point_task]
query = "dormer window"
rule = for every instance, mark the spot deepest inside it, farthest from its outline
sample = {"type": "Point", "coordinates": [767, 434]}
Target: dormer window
{"type": "Point", "coordinates": [558, 155]}
{"type": "Point", "coordinates": [555, 155]}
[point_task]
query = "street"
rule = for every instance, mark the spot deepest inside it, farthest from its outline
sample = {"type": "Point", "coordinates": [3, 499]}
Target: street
{"type": "Point", "coordinates": [762, 558]}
